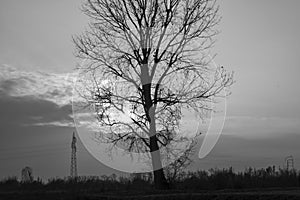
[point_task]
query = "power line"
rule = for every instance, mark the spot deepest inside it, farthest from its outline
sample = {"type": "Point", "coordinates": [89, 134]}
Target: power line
{"type": "Point", "coordinates": [37, 153]}
{"type": "Point", "coordinates": [31, 155]}
{"type": "Point", "coordinates": [32, 150]}
{"type": "Point", "coordinates": [31, 146]}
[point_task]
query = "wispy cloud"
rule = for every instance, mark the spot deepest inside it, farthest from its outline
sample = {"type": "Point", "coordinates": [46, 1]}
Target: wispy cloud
{"type": "Point", "coordinates": [56, 88]}
{"type": "Point", "coordinates": [35, 98]}
{"type": "Point", "coordinates": [64, 123]}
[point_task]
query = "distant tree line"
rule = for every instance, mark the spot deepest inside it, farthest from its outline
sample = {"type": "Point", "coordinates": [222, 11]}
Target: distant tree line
{"type": "Point", "coordinates": [213, 179]}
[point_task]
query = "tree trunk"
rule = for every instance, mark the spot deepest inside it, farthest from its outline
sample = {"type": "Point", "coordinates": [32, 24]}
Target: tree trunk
{"type": "Point", "coordinates": [160, 180]}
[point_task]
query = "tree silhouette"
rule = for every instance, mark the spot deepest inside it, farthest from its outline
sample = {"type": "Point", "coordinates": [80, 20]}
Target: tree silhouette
{"type": "Point", "coordinates": [148, 60]}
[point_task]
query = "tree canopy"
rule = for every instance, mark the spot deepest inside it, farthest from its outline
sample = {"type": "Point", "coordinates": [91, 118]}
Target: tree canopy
{"type": "Point", "coordinates": [147, 62]}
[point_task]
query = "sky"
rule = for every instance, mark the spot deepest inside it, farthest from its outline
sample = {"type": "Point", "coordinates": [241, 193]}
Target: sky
{"type": "Point", "coordinates": [259, 41]}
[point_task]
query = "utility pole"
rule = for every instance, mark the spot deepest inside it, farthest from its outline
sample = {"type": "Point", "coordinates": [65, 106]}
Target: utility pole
{"type": "Point", "coordinates": [73, 170]}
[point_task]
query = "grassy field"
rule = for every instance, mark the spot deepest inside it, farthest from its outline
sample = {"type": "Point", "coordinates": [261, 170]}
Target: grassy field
{"type": "Point", "coordinates": [270, 194]}
{"type": "Point", "coordinates": [224, 184]}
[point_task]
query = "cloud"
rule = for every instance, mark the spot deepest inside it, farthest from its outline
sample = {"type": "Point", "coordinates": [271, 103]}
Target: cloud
{"type": "Point", "coordinates": [42, 98]}
{"type": "Point", "coordinates": [29, 110]}
{"type": "Point", "coordinates": [35, 98]}
{"type": "Point", "coordinates": [56, 88]}
{"type": "Point", "coordinates": [56, 123]}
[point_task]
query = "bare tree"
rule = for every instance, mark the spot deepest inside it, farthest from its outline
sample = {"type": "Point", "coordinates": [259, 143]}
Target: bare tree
{"type": "Point", "coordinates": [175, 168]}
{"type": "Point", "coordinates": [150, 57]}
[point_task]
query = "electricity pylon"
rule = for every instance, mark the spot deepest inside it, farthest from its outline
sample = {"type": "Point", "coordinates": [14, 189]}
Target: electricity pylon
{"type": "Point", "coordinates": [73, 170]}
{"type": "Point", "coordinates": [289, 162]}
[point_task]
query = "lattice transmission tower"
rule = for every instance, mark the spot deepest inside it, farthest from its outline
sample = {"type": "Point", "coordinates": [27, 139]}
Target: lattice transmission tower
{"type": "Point", "coordinates": [73, 170]}
{"type": "Point", "coordinates": [289, 162]}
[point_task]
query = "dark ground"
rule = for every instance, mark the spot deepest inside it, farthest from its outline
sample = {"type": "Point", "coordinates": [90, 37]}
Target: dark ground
{"type": "Point", "coordinates": [253, 194]}
{"type": "Point", "coordinates": [217, 184]}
